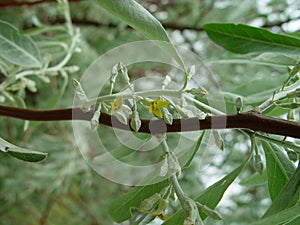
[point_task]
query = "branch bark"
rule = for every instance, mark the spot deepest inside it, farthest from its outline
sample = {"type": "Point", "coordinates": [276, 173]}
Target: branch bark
{"type": "Point", "coordinates": [248, 120]}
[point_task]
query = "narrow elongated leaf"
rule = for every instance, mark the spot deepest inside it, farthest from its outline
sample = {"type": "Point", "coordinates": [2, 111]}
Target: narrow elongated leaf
{"type": "Point", "coordinates": [288, 165]}
{"type": "Point", "coordinates": [288, 197]}
{"type": "Point", "coordinates": [279, 168]}
{"type": "Point", "coordinates": [135, 15]}
{"type": "Point", "coordinates": [280, 217]}
{"type": "Point", "coordinates": [120, 209]}
{"type": "Point", "coordinates": [254, 180]}
{"type": "Point", "coordinates": [21, 153]}
{"type": "Point", "coordinates": [195, 150]}
{"type": "Point", "coordinates": [16, 48]}
{"type": "Point", "coordinates": [212, 195]}
{"type": "Point", "coordinates": [243, 39]}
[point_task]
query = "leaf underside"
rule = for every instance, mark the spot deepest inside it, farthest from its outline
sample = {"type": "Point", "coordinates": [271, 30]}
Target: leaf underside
{"type": "Point", "coordinates": [21, 153]}
{"type": "Point", "coordinates": [16, 48]}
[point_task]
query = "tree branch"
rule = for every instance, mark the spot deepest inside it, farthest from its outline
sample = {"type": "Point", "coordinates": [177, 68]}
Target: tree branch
{"type": "Point", "coordinates": [166, 25]}
{"type": "Point", "coordinates": [248, 120]}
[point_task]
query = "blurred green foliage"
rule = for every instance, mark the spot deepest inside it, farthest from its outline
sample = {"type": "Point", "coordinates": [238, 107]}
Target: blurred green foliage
{"type": "Point", "coordinates": [63, 189]}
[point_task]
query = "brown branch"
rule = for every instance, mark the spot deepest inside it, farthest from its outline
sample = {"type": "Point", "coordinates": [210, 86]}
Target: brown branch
{"type": "Point", "coordinates": [85, 22]}
{"type": "Point", "coordinates": [13, 3]}
{"type": "Point", "coordinates": [249, 120]}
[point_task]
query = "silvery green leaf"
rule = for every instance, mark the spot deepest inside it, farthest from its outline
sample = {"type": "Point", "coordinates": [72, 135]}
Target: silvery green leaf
{"type": "Point", "coordinates": [105, 108]}
{"type": "Point", "coordinates": [85, 107]}
{"type": "Point", "coordinates": [121, 117]}
{"type": "Point", "coordinates": [44, 79]}
{"type": "Point", "coordinates": [191, 71]}
{"type": "Point", "coordinates": [95, 118]}
{"type": "Point", "coordinates": [201, 115]}
{"type": "Point", "coordinates": [218, 139]}
{"type": "Point", "coordinates": [292, 155]}
{"type": "Point", "coordinates": [239, 104]}
{"type": "Point", "coordinates": [136, 16]}
{"type": "Point", "coordinates": [199, 92]}
{"type": "Point", "coordinates": [80, 93]}
{"type": "Point", "coordinates": [79, 90]}
{"type": "Point", "coordinates": [3, 145]}
{"type": "Point", "coordinates": [297, 92]}
{"type": "Point", "coordinates": [164, 168]}
{"type": "Point", "coordinates": [259, 166]}
{"type": "Point", "coordinates": [173, 163]}
{"type": "Point", "coordinates": [124, 71]}
{"type": "Point", "coordinates": [8, 96]}
{"type": "Point", "coordinates": [209, 212]}
{"type": "Point", "coordinates": [17, 48]}
{"type": "Point", "coordinates": [293, 105]}
{"type": "Point", "coordinates": [30, 84]}
{"type": "Point", "coordinates": [196, 112]}
{"type": "Point", "coordinates": [114, 73]}
{"type": "Point", "coordinates": [162, 206]}
{"type": "Point", "coordinates": [135, 122]}
{"type": "Point", "coordinates": [17, 86]}
{"type": "Point", "coordinates": [126, 109]}
{"type": "Point", "coordinates": [184, 112]}
{"type": "Point", "coordinates": [138, 98]}
{"type": "Point", "coordinates": [21, 153]}
{"type": "Point", "coordinates": [243, 39]}
{"type": "Point", "coordinates": [166, 81]}
{"type": "Point", "coordinates": [295, 69]}
{"type": "Point", "coordinates": [167, 116]}
{"type": "Point", "coordinates": [148, 203]}
{"type": "Point", "coordinates": [192, 212]}
{"type": "Point", "coordinates": [72, 69]}
{"type": "Point", "coordinates": [146, 101]}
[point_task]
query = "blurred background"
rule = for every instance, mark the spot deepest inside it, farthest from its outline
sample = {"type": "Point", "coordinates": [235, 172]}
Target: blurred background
{"type": "Point", "coordinates": [63, 189]}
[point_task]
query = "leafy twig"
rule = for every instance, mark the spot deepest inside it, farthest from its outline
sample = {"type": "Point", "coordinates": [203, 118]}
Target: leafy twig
{"type": "Point", "coordinates": [248, 120]}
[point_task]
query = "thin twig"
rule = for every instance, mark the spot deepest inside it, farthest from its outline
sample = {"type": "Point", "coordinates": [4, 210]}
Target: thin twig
{"type": "Point", "coordinates": [166, 25]}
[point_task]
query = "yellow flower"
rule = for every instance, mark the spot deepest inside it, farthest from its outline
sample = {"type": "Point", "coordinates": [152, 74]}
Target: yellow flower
{"type": "Point", "coordinates": [116, 104]}
{"type": "Point", "coordinates": [156, 105]}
